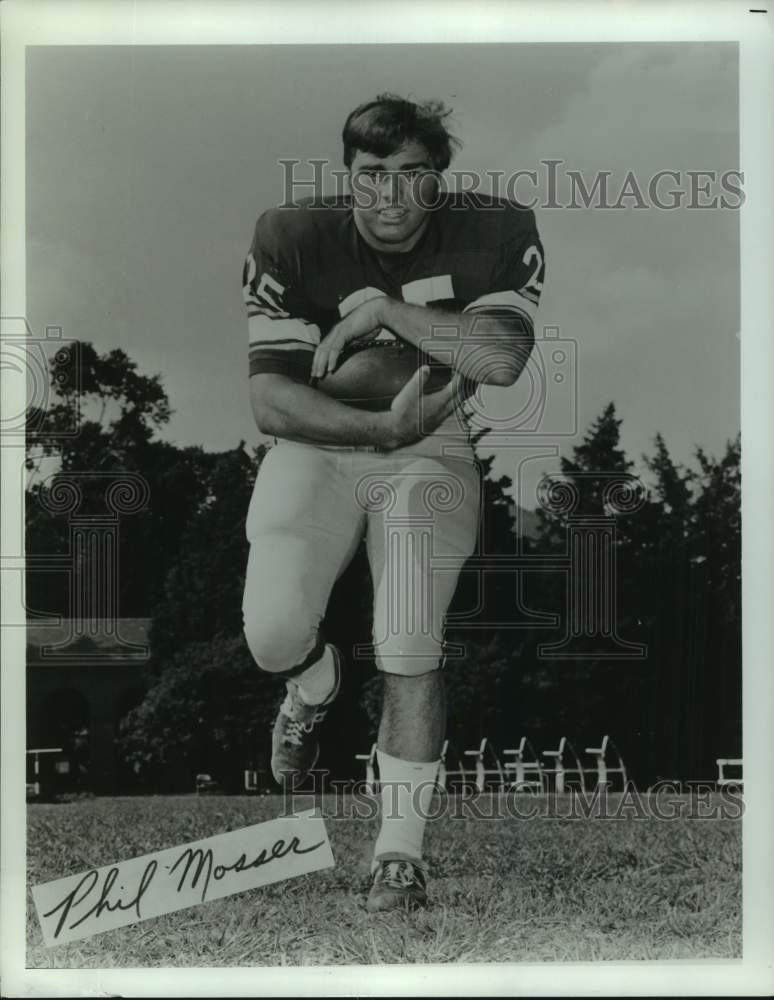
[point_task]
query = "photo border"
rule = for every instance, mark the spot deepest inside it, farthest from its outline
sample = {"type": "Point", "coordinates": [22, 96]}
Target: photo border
{"type": "Point", "coordinates": [66, 23]}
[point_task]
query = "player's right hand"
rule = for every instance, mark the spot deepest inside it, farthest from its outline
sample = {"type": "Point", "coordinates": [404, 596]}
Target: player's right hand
{"type": "Point", "coordinates": [414, 414]}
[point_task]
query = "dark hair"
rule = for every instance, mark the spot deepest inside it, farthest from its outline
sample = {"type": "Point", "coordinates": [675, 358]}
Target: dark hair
{"type": "Point", "coordinates": [382, 126]}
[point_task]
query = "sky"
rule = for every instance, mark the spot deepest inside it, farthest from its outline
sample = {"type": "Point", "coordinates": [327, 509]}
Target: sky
{"type": "Point", "coordinates": [148, 165]}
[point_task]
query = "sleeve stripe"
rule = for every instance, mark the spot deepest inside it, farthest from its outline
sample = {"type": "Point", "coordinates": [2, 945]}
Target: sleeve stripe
{"type": "Point", "coordinates": [257, 306]}
{"type": "Point", "coordinates": [358, 297]}
{"type": "Point", "coordinates": [293, 363]}
{"type": "Point", "coordinates": [493, 311]}
{"type": "Point", "coordinates": [287, 344]}
{"type": "Point", "coordinates": [264, 330]}
{"type": "Point", "coordinates": [424, 290]}
{"type": "Point", "coordinates": [256, 310]}
{"type": "Point", "coordinates": [504, 300]}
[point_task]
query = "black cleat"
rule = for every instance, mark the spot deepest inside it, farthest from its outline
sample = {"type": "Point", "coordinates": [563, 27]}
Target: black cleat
{"type": "Point", "coordinates": [294, 745]}
{"type": "Point", "coordinates": [398, 884]}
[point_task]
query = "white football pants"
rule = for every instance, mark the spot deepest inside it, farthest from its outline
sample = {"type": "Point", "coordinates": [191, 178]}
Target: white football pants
{"type": "Point", "coordinates": [308, 512]}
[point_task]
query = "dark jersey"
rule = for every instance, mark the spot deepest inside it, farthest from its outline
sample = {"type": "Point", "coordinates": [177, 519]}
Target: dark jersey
{"type": "Point", "coordinates": [308, 267]}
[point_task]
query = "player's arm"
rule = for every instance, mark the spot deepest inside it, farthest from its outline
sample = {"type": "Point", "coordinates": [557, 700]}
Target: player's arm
{"type": "Point", "coordinates": [489, 347]}
{"type": "Point", "coordinates": [283, 337]}
{"type": "Point", "coordinates": [289, 409]}
{"type": "Point", "coordinates": [489, 341]}
{"type": "Point", "coordinates": [294, 411]}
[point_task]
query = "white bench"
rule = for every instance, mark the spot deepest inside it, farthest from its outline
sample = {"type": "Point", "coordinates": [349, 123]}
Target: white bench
{"type": "Point", "coordinates": [35, 754]}
{"type": "Point", "coordinates": [723, 778]}
{"type": "Point", "coordinates": [34, 789]}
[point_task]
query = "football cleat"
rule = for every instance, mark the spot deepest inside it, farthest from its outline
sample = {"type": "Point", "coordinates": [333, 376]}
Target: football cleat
{"type": "Point", "coordinates": [398, 884]}
{"type": "Point", "coordinates": [294, 745]}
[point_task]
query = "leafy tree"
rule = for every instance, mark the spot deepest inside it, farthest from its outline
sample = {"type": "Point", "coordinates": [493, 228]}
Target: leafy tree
{"type": "Point", "coordinates": [678, 583]}
{"type": "Point", "coordinates": [202, 595]}
{"type": "Point", "coordinates": [714, 703]}
{"type": "Point", "coordinates": [717, 534]}
{"type": "Point", "coordinates": [594, 460]}
{"type": "Point", "coordinates": [210, 710]}
{"type": "Point", "coordinates": [582, 696]}
{"type": "Point", "coordinates": [116, 413]}
{"type": "Point", "coordinates": [113, 409]}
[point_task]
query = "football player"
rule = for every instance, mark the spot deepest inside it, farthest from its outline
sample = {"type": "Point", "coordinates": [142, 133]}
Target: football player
{"type": "Point", "coordinates": [457, 276]}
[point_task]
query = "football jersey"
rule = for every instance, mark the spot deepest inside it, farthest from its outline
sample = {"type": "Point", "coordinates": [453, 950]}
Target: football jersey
{"type": "Point", "coordinates": [308, 266]}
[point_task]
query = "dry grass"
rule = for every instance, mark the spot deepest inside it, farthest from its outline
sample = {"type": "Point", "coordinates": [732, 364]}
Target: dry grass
{"type": "Point", "coordinates": [505, 890]}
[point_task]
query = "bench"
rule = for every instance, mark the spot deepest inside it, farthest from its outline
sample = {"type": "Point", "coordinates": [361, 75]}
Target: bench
{"type": "Point", "coordinates": [723, 779]}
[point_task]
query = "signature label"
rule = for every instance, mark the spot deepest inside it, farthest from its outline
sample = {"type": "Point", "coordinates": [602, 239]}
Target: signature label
{"type": "Point", "coordinates": [124, 893]}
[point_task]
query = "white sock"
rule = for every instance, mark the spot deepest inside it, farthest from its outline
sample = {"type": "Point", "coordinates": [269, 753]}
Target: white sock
{"type": "Point", "coordinates": [406, 791]}
{"type": "Point", "coordinates": [316, 682]}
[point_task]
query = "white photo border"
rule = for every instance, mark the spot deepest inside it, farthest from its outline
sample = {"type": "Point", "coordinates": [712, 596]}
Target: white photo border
{"type": "Point", "coordinates": [227, 23]}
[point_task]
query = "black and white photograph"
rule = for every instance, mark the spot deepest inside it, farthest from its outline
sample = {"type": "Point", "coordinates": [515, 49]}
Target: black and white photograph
{"type": "Point", "coordinates": [379, 383]}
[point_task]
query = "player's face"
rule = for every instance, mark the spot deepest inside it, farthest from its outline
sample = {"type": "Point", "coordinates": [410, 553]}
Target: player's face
{"type": "Point", "coordinates": [392, 196]}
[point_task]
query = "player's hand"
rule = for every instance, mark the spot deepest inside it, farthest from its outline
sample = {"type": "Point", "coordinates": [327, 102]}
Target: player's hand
{"type": "Point", "coordinates": [363, 323]}
{"type": "Point", "coordinates": [414, 414]}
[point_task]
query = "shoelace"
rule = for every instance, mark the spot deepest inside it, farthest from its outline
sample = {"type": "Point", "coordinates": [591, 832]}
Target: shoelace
{"type": "Point", "coordinates": [295, 730]}
{"type": "Point", "coordinates": [399, 874]}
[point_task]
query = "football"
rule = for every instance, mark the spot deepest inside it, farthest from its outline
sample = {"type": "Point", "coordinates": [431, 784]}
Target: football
{"type": "Point", "coordinates": [371, 377]}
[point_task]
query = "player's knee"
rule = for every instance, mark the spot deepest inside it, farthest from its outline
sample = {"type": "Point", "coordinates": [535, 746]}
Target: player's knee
{"type": "Point", "coordinates": [408, 659]}
{"type": "Point", "coordinates": [277, 645]}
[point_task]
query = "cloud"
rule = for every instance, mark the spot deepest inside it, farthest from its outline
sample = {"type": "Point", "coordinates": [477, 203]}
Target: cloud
{"type": "Point", "coordinates": [650, 106]}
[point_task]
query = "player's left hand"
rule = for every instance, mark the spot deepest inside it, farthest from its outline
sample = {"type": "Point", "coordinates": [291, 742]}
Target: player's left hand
{"type": "Point", "coordinates": [363, 323]}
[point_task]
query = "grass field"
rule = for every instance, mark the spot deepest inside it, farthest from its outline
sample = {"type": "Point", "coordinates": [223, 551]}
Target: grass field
{"type": "Point", "coordinates": [504, 890]}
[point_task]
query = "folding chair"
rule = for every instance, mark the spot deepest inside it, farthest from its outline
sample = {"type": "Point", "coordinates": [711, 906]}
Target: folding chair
{"type": "Point", "coordinates": [450, 778]}
{"type": "Point", "coordinates": [560, 771]}
{"type": "Point", "coordinates": [527, 772]}
{"type": "Point", "coordinates": [604, 770]}
{"type": "Point", "coordinates": [370, 769]}
{"type": "Point", "coordinates": [482, 771]}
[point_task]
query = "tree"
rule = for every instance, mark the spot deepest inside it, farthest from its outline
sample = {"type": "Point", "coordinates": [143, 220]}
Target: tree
{"type": "Point", "coordinates": [717, 528]}
{"type": "Point", "coordinates": [585, 693]}
{"type": "Point", "coordinates": [100, 425]}
{"type": "Point", "coordinates": [594, 461]}
{"type": "Point", "coordinates": [689, 564]}
{"type": "Point", "coordinates": [210, 710]}
{"type": "Point", "coordinates": [108, 385]}
{"type": "Point", "coordinates": [679, 592]}
{"type": "Point", "coordinates": [716, 576]}
{"type": "Point", "coordinates": [202, 592]}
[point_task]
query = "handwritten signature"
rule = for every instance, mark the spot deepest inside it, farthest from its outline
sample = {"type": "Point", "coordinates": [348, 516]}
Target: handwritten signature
{"type": "Point", "coordinates": [196, 865]}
